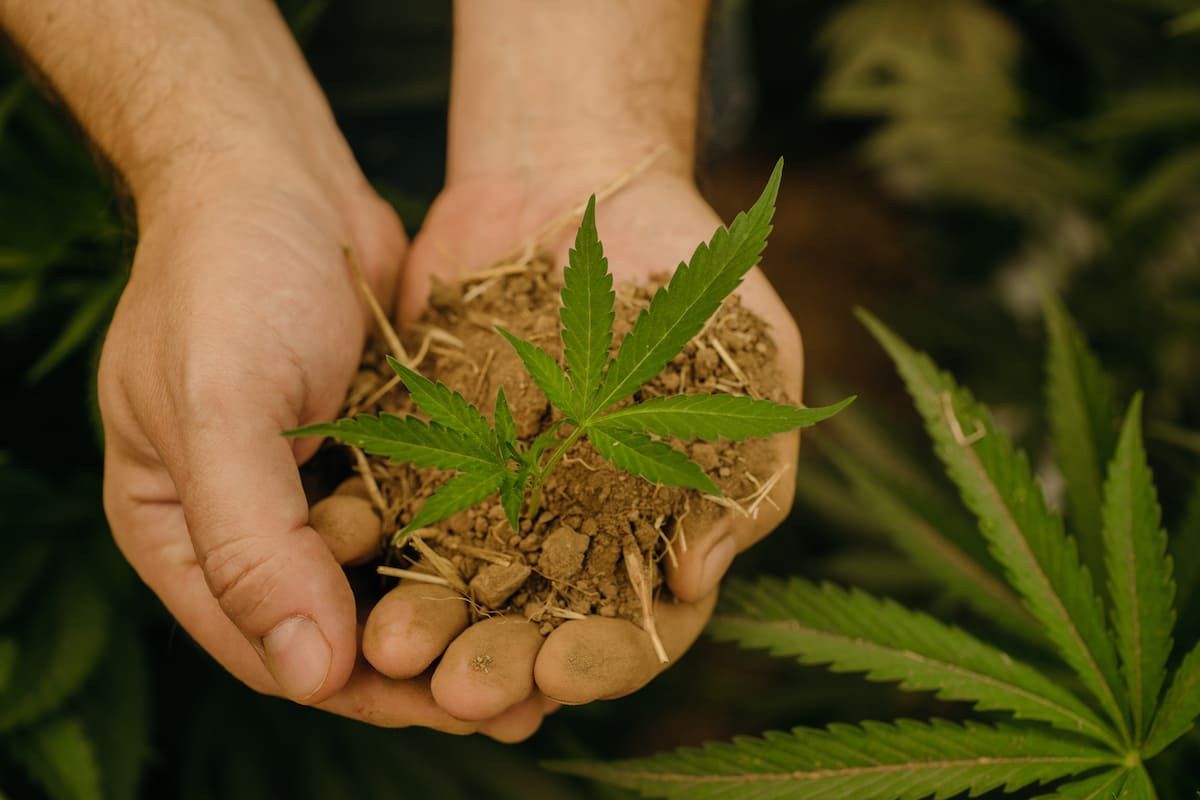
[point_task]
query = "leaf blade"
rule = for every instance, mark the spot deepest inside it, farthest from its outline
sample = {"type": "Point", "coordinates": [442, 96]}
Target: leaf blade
{"type": "Point", "coordinates": [715, 416]}
{"type": "Point", "coordinates": [1140, 585]}
{"type": "Point", "coordinates": [446, 407]}
{"type": "Point", "coordinates": [905, 760]}
{"type": "Point", "coordinates": [587, 312]}
{"type": "Point", "coordinates": [462, 491]}
{"type": "Point", "coordinates": [545, 371]}
{"type": "Point", "coordinates": [658, 462]}
{"type": "Point", "coordinates": [1179, 707]}
{"type": "Point", "coordinates": [678, 311]}
{"type": "Point", "coordinates": [406, 439]}
{"type": "Point", "coordinates": [1081, 413]}
{"type": "Point", "coordinates": [855, 632]}
{"type": "Point", "coordinates": [506, 427]}
{"type": "Point", "coordinates": [996, 483]}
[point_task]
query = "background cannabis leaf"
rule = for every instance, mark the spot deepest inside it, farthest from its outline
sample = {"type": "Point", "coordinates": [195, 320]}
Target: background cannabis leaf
{"type": "Point", "coordinates": [1056, 733]}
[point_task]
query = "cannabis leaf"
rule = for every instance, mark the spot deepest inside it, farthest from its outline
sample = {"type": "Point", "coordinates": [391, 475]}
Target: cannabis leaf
{"type": "Point", "coordinates": [715, 416]}
{"type": "Point", "coordinates": [58, 755]}
{"type": "Point", "coordinates": [458, 437]}
{"type": "Point", "coordinates": [906, 760]}
{"type": "Point", "coordinates": [679, 310]}
{"type": "Point", "coordinates": [854, 632]}
{"type": "Point", "coordinates": [1179, 708]}
{"type": "Point", "coordinates": [995, 480]}
{"type": "Point", "coordinates": [587, 313]}
{"type": "Point", "coordinates": [1082, 418]}
{"type": "Point", "coordinates": [1139, 572]}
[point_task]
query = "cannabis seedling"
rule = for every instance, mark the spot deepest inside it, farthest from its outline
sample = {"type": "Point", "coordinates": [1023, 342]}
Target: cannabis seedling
{"type": "Point", "coordinates": [490, 458]}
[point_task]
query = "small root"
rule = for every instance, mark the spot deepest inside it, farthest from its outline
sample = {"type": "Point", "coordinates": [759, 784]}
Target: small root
{"type": "Point", "coordinates": [965, 440]}
{"type": "Point", "coordinates": [563, 613]}
{"type": "Point", "coordinates": [733, 365]}
{"type": "Point", "coordinates": [364, 470]}
{"type": "Point", "coordinates": [440, 564]}
{"type": "Point", "coordinates": [483, 374]}
{"type": "Point", "coordinates": [412, 575]}
{"type": "Point", "coordinates": [376, 396]}
{"type": "Point", "coordinates": [385, 326]}
{"type": "Point", "coordinates": [635, 567]}
{"type": "Point", "coordinates": [666, 541]}
{"type": "Point", "coordinates": [477, 291]}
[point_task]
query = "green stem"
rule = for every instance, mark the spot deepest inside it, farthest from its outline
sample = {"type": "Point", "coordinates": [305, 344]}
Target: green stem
{"type": "Point", "coordinates": [535, 492]}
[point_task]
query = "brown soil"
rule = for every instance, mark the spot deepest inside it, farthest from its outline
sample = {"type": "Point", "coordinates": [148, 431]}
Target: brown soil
{"type": "Point", "coordinates": [568, 562]}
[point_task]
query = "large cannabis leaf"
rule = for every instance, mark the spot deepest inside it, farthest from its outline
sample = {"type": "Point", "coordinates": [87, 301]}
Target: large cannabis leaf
{"type": "Point", "coordinates": [1055, 732]}
{"type": "Point", "coordinates": [489, 457]}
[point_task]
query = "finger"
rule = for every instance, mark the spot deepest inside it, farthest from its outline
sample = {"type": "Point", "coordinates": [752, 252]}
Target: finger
{"type": "Point", "coordinates": [349, 526]}
{"type": "Point", "coordinates": [411, 626]}
{"type": "Point", "coordinates": [519, 722]}
{"type": "Point", "coordinates": [601, 658]}
{"type": "Point", "coordinates": [714, 535]}
{"type": "Point", "coordinates": [272, 574]}
{"type": "Point", "coordinates": [488, 668]}
{"type": "Point", "coordinates": [388, 703]}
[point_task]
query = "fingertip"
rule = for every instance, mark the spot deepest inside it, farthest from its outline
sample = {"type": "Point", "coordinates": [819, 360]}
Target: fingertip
{"type": "Point", "coordinates": [700, 568]}
{"type": "Point", "coordinates": [488, 668]}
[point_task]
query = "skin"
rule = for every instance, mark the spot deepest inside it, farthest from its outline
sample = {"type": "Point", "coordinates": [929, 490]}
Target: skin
{"type": "Point", "coordinates": [240, 318]}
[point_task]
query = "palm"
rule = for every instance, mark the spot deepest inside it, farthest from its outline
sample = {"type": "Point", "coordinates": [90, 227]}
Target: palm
{"type": "Point", "coordinates": [647, 228]}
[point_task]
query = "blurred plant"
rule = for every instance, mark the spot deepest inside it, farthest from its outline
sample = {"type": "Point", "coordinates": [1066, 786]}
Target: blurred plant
{"type": "Point", "coordinates": [1098, 742]}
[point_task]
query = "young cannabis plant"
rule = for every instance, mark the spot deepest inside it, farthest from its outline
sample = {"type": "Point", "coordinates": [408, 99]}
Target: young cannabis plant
{"type": "Point", "coordinates": [490, 458]}
{"type": "Point", "coordinates": [1093, 733]}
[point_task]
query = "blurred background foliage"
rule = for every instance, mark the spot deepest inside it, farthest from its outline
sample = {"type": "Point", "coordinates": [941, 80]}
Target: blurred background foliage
{"type": "Point", "coordinates": [944, 156]}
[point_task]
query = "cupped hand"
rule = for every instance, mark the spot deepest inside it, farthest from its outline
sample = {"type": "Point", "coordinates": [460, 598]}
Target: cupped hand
{"type": "Point", "coordinates": [648, 227]}
{"type": "Point", "coordinates": [241, 320]}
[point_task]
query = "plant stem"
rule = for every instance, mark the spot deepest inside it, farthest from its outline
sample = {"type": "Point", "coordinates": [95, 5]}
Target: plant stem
{"type": "Point", "coordinates": [535, 493]}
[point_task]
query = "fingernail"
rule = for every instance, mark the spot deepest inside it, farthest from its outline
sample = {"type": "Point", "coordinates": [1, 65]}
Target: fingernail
{"type": "Point", "coordinates": [716, 563]}
{"type": "Point", "coordinates": [298, 656]}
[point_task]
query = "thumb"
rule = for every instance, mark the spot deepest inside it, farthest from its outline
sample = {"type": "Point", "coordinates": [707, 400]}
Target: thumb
{"type": "Point", "coordinates": [272, 574]}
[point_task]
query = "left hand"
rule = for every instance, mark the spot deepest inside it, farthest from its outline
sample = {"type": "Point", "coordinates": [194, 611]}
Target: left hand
{"type": "Point", "coordinates": [648, 227]}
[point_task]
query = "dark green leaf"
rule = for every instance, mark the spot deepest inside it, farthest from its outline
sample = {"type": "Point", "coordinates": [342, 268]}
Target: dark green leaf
{"type": "Point", "coordinates": [1082, 418]}
{"type": "Point", "coordinates": [996, 483]}
{"type": "Point", "coordinates": [1179, 708]}
{"type": "Point", "coordinates": [854, 632]}
{"type": "Point", "coordinates": [544, 370]}
{"type": "Point", "coordinates": [506, 428]}
{"type": "Point", "coordinates": [1107, 785]}
{"type": "Point", "coordinates": [715, 416]}
{"type": "Point", "coordinates": [446, 407]}
{"type": "Point", "coordinates": [58, 755]}
{"type": "Point", "coordinates": [408, 439]}
{"type": "Point", "coordinates": [657, 462]}
{"type": "Point", "coordinates": [512, 496]}
{"type": "Point", "coordinates": [679, 310]}
{"type": "Point", "coordinates": [587, 313]}
{"type": "Point", "coordinates": [87, 322]}
{"type": "Point", "coordinates": [115, 708]}
{"type": "Point", "coordinates": [1140, 585]}
{"type": "Point", "coordinates": [62, 639]}
{"type": "Point", "coordinates": [906, 760]}
{"type": "Point", "coordinates": [461, 491]}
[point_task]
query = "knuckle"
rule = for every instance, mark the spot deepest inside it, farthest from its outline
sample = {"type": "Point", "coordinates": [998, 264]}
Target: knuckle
{"type": "Point", "coordinates": [243, 574]}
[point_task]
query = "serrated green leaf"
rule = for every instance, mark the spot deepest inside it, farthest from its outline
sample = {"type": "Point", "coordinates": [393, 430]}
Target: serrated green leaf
{"type": "Point", "coordinates": [61, 640]}
{"type": "Point", "coordinates": [854, 632]}
{"type": "Point", "coordinates": [408, 439]}
{"type": "Point", "coordinates": [446, 407]}
{"type": "Point", "coordinates": [679, 310]}
{"type": "Point", "coordinates": [657, 462]}
{"type": "Point", "coordinates": [1082, 419]}
{"type": "Point", "coordinates": [925, 535]}
{"type": "Point", "coordinates": [506, 428]}
{"type": "Point", "coordinates": [1107, 785]}
{"type": "Point", "coordinates": [1179, 708]}
{"type": "Point", "coordinates": [542, 442]}
{"type": "Point", "coordinates": [545, 371]}
{"type": "Point", "coordinates": [461, 491]}
{"type": "Point", "coordinates": [587, 313]}
{"type": "Point", "coordinates": [1140, 585]}
{"type": "Point", "coordinates": [996, 483]}
{"type": "Point", "coordinates": [906, 760]}
{"type": "Point", "coordinates": [59, 756]}
{"type": "Point", "coordinates": [714, 416]}
{"type": "Point", "coordinates": [19, 570]}
{"type": "Point", "coordinates": [512, 496]}
{"type": "Point", "coordinates": [1138, 786]}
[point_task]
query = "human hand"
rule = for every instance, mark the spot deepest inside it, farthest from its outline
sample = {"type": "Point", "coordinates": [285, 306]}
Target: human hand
{"type": "Point", "coordinates": [647, 228]}
{"type": "Point", "coordinates": [240, 320]}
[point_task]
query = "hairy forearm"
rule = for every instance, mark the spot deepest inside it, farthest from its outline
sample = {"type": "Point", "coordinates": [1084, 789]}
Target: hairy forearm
{"type": "Point", "coordinates": [168, 88]}
{"type": "Point", "coordinates": [543, 85]}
